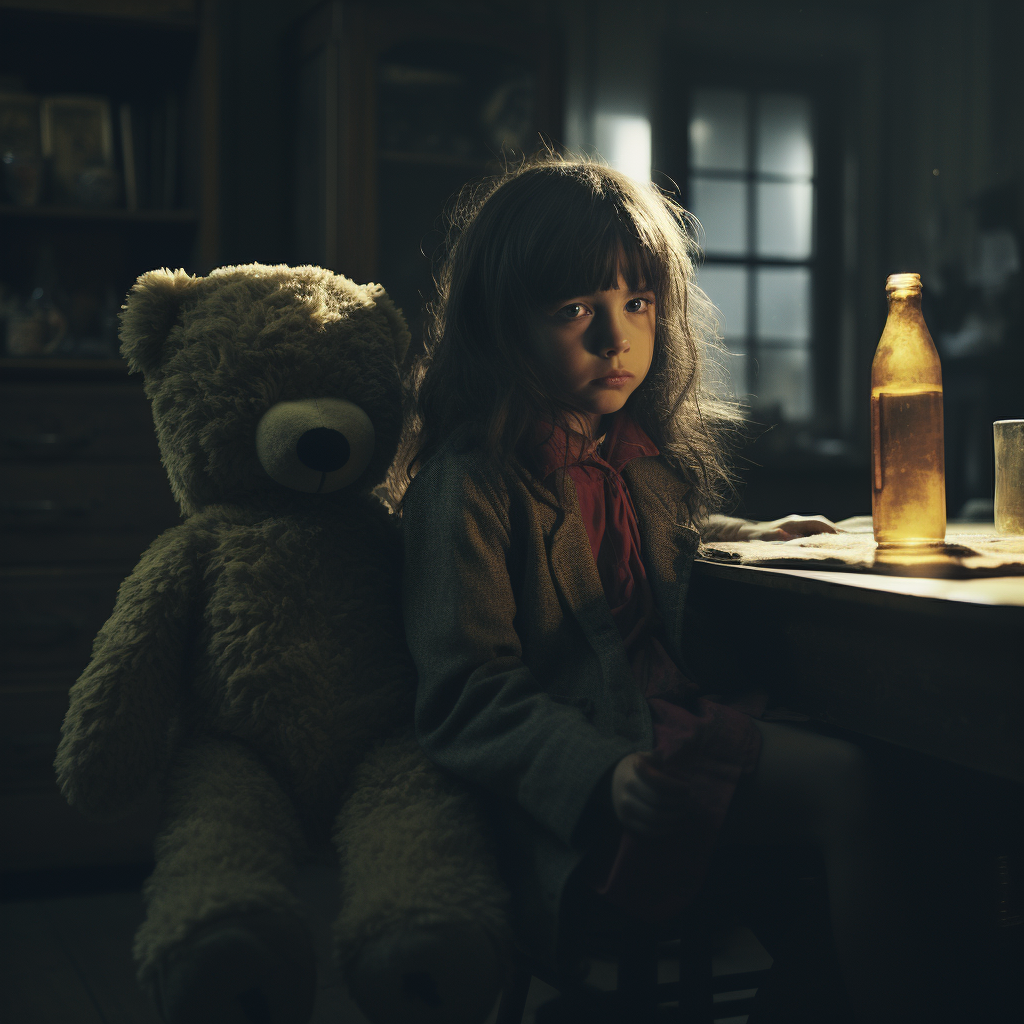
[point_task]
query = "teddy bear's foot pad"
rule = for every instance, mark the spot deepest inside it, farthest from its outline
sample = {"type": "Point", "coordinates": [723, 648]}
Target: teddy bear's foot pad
{"type": "Point", "coordinates": [439, 974]}
{"type": "Point", "coordinates": [252, 968]}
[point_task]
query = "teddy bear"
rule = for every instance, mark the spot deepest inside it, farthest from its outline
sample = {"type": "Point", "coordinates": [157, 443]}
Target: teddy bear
{"type": "Point", "coordinates": [254, 672]}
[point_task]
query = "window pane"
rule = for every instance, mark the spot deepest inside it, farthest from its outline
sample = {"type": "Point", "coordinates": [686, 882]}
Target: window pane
{"type": "Point", "coordinates": [783, 304]}
{"type": "Point", "coordinates": [625, 142]}
{"type": "Point", "coordinates": [784, 219]}
{"type": "Point", "coordinates": [736, 373]}
{"type": "Point", "coordinates": [725, 372]}
{"type": "Point", "coordinates": [727, 289]}
{"type": "Point", "coordinates": [783, 381]}
{"type": "Point", "coordinates": [784, 135]}
{"type": "Point", "coordinates": [721, 208]}
{"type": "Point", "coordinates": [718, 130]}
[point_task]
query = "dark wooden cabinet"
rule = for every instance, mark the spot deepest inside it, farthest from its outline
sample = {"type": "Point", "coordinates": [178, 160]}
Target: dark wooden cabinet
{"type": "Point", "coordinates": [82, 491]}
{"type": "Point", "coordinates": [83, 494]}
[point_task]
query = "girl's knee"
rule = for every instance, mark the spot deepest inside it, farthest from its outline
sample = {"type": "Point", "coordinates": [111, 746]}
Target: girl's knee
{"type": "Point", "coordinates": [849, 767]}
{"type": "Point", "coordinates": [845, 786]}
{"type": "Point", "coordinates": [830, 777]}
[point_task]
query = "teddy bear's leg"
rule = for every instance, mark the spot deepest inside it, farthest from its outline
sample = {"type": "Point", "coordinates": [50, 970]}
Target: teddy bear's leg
{"type": "Point", "coordinates": [223, 939]}
{"type": "Point", "coordinates": [422, 934]}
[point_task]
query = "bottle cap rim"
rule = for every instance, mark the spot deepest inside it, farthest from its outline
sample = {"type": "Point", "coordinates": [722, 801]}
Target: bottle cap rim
{"type": "Point", "coordinates": [903, 282]}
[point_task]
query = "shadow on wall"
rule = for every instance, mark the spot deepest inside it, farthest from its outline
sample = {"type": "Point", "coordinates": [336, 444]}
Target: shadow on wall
{"type": "Point", "coordinates": [973, 306]}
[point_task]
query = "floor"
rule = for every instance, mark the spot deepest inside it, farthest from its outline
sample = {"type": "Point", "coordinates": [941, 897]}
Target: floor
{"type": "Point", "coordinates": [67, 960]}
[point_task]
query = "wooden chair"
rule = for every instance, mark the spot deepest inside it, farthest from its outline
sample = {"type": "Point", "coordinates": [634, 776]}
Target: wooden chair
{"type": "Point", "coordinates": [636, 949]}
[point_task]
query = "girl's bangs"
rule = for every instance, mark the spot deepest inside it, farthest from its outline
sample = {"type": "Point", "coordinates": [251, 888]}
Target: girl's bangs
{"type": "Point", "coordinates": [583, 249]}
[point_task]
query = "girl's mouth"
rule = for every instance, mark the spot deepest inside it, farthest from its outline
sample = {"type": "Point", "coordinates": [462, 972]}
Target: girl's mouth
{"type": "Point", "coordinates": [614, 380]}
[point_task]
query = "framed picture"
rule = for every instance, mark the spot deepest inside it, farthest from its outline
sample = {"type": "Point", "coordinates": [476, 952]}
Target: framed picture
{"type": "Point", "coordinates": [78, 141]}
{"type": "Point", "coordinates": [21, 164]}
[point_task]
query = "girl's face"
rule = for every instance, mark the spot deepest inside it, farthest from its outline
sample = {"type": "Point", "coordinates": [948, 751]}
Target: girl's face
{"type": "Point", "coordinates": [596, 349]}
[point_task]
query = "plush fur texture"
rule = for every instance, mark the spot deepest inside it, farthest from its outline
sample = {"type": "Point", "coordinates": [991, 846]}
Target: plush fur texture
{"type": "Point", "coordinates": [397, 868]}
{"type": "Point", "coordinates": [255, 664]}
{"type": "Point", "coordinates": [217, 352]}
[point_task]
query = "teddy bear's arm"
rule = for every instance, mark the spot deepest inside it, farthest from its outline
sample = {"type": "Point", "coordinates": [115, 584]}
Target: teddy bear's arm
{"type": "Point", "coordinates": [116, 734]}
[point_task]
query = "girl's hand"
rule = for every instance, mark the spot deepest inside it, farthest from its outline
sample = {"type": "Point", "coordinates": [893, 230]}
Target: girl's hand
{"type": "Point", "coordinates": [645, 800]}
{"type": "Point", "coordinates": [786, 528]}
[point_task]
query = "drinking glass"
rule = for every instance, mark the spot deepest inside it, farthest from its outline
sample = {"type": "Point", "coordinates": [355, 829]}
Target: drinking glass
{"type": "Point", "coordinates": [1009, 500]}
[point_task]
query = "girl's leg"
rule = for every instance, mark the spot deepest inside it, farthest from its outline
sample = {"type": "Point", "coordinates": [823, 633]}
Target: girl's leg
{"type": "Point", "coordinates": [809, 788]}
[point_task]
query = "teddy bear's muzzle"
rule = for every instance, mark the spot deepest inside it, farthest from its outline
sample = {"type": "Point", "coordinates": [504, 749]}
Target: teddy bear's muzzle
{"type": "Point", "coordinates": [316, 445]}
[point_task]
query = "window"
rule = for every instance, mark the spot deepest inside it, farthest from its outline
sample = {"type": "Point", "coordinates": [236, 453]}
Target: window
{"type": "Point", "coordinates": [752, 183]}
{"type": "Point", "coordinates": [624, 140]}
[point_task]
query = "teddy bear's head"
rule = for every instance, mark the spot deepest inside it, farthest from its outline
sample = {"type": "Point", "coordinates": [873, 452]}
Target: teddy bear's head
{"type": "Point", "coordinates": [263, 378]}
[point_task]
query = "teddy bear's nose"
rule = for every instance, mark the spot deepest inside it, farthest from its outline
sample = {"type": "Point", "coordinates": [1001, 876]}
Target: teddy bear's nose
{"type": "Point", "coordinates": [323, 449]}
{"type": "Point", "coordinates": [316, 445]}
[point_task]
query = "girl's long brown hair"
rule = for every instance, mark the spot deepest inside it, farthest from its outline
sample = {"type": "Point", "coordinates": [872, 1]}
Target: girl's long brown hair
{"type": "Point", "coordinates": [550, 229]}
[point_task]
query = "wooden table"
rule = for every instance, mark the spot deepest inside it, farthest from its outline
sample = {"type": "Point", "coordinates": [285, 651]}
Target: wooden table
{"type": "Point", "coordinates": [935, 670]}
{"type": "Point", "coordinates": [934, 666]}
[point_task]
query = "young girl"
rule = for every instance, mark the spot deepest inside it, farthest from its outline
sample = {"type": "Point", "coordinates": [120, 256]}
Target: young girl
{"type": "Point", "coordinates": [565, 458]}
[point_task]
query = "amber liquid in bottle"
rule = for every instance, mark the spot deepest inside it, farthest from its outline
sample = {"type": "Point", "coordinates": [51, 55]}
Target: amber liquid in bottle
{"type": "Point", "coordinates": [908, 493]}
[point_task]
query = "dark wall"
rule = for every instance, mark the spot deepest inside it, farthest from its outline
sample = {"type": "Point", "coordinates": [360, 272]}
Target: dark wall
{"type": "Point", "coordinates": [254, 129]}
{"type": "Point", "coordinates": [256, 121]}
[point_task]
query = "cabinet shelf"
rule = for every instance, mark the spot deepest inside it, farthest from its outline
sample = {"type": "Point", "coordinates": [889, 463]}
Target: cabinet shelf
{"type": "Point", "coordinates": [114, 214]}
{"type": "Point", "coordinates": [16, 368]}
{"type": "Point", "coordinates": [164, 13]}
{"type": "Point", "coordinates": [469, 163]}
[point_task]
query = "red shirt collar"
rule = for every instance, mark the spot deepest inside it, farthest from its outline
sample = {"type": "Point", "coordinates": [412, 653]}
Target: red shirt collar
{"type": "Point", "coordinates": [623, 441]}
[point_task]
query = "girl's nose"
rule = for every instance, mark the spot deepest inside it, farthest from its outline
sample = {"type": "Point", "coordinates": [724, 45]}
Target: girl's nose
{"type": "Point", "coordinates": [608, 336]}
{"type": "Point", "coordinates": [616, 344]}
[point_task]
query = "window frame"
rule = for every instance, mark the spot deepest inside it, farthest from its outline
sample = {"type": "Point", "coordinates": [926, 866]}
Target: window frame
{"type": "Point", "coordinates": [822, 86]}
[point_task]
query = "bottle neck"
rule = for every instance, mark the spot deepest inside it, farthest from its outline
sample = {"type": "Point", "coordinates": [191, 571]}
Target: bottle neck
{"type": "Point", "coordinates": [905, 304]}
{"type": "Point", "coordinates": [905, 355]}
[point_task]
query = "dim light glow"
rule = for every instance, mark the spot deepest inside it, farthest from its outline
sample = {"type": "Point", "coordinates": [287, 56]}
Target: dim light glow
{"type": "Point", "coordinates": [700, 133]}
{"type": "Point", "coordinates": [624, 140]}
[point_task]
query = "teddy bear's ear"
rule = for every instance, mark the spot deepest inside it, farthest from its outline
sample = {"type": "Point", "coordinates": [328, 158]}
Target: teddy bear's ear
{"type": "Point", "coordinates": [396, 320]}
{"type": "Point", "coordinates": [149, 314]}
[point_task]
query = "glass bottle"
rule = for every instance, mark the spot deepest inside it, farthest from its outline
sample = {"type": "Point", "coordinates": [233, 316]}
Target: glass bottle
{"type": "Point", "coordinates": [908, 493]}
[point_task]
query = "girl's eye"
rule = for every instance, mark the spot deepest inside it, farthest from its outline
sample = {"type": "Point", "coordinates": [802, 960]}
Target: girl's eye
{"type": "Point", "coordinates": [574, 311]}
{"type": "Point", "coordinates": [637, 305]}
